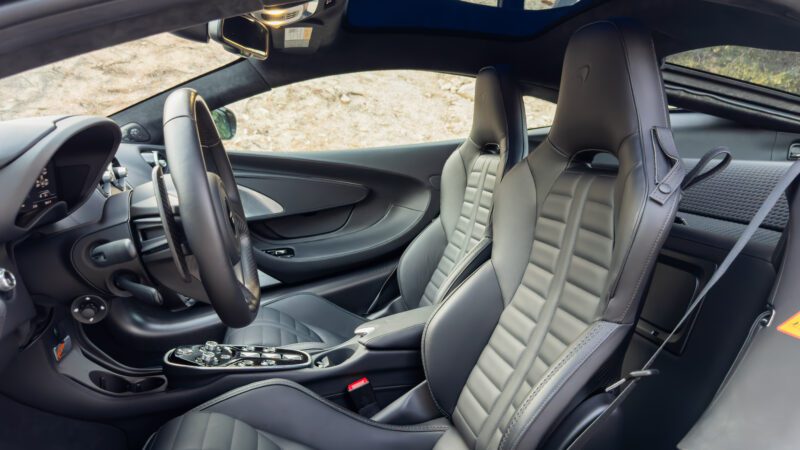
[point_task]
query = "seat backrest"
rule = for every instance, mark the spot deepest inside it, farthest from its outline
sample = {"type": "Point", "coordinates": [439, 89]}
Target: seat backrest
{"type": "Point", "coordinates": [497, 141]}
{"type": "Point", "coordinates": [539, 327]}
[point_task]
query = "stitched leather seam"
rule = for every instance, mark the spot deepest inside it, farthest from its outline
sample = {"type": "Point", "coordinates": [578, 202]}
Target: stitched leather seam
{"type": "Point", "coordinates": [280, 383]}
{"type": "Point", "coordinates": [578, 200]}
{"type": "Point", "coordinates": [312, 335]}
{"type": "Point", "coordinates": [425, 338]}
{"type": "Point", "coordinates": [398, 330]}
{"type": "Point", "coordinates": [551, 373]}
{"type": "Point", "coordinates": [287, 296]}
{"type": "Point", "coordinates": [458, 270]}
{"type": "Point", "coordinates": [403, 260]}
{"type": "Point", "coordinates": [653, 250]}
{"type": "Point", "coordinates": [556, 148]}
{"type": "Point", "coordinates": [558, 388]}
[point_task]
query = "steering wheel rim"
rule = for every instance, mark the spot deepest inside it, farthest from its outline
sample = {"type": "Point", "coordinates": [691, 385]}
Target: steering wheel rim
{"type": "Point", "coordinates": [210, 208]}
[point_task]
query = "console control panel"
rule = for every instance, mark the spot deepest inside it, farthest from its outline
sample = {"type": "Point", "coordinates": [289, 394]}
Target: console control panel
{"type": "Point", "coordinates": [212, 355]}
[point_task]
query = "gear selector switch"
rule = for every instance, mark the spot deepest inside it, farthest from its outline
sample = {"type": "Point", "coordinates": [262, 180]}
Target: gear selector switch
{"type": "Point", "coordinates": [215, 356]}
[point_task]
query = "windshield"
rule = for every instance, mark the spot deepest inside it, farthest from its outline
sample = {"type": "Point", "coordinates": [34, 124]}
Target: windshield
{"type": "Point", "coordinates": [769, 68]}
{"type": "Point", "coordinates": [108, 80]}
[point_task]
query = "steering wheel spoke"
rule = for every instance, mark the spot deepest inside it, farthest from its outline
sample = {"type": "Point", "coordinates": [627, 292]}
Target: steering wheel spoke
{"type": "Point", "coordinates": [211, 209]}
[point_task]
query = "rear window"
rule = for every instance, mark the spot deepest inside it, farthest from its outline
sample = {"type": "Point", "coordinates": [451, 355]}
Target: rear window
{"type": "Point", "coordinates": [769, 68]}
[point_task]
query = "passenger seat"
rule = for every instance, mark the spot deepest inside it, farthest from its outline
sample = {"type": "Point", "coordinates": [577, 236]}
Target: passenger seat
{"type": "Point", "coordinates": [446, 251]}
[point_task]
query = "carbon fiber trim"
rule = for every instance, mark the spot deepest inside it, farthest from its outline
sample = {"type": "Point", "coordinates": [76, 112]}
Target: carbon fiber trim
{"type": "Point", "coordinates": [736, 193]}
{"type": "Point", "coordinates": [728, 229]}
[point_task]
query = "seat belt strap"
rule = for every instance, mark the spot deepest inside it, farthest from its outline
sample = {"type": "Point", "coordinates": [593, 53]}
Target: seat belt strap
{"type": "Point", "coordinates": [628, 382]}
{"type": "Point", "coordinates": [697, 174]}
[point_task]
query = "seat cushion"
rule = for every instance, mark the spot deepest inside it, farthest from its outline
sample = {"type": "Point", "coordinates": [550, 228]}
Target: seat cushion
{"type": "Point", "coordinates": [280, 414]}
{"type": "Point", "coordinates": [214, 431]}
{"type": "Point", "coordinates": [297, 319]}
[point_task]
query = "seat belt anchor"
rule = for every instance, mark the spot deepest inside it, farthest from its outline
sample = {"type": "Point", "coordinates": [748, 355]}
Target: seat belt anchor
{"type": "Point", "coordinates": [633, 376]}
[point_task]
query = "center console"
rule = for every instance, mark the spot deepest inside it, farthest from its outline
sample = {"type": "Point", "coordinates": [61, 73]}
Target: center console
{"type": "Point", "coordinates": [222, 357]}
{"type": "Point", "coordinates": [385, 351]}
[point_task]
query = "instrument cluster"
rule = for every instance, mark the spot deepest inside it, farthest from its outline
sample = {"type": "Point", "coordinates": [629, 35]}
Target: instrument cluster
{"type": "Point", "coordinates": [43, 193]}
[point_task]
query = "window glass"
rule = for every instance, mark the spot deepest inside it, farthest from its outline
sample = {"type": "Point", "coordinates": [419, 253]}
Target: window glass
{"type": "Point", "coordinates": [770, 68]}
{"type": "Point", "coordinates": [548, 4]}
{"type": "Point", "coordinates": [363, 110]}
{"type": "Point", "coordinates": [538, 113]}
{"type": "Point", "coordinates": [527, 4]}
{"type": "Point", "coordinates": [108, 80]}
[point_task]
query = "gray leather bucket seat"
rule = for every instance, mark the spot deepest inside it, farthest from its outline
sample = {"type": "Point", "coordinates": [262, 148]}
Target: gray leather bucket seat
{"type": "Point", "coordinates": [445, 251]}
{"type": "Point", "coordinates": [536, 330]}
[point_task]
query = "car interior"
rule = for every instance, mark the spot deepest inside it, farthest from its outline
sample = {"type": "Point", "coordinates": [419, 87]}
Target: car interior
{"type": "Point", "coordinates": [616, 210]}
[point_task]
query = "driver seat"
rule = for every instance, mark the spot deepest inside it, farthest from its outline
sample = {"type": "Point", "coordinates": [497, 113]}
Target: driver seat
{"type": "Point", "coordinates": [445, 252]}
{"type": "Point", "coordinates": [539, 328]}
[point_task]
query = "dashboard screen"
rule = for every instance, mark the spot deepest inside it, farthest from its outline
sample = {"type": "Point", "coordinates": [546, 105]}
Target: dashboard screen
{"type": "Point", "coordinates": [43, 193]}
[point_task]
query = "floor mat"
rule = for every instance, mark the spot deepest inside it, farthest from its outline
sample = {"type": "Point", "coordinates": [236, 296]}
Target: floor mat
{"type": "Point", "coordinates": [26, 428]}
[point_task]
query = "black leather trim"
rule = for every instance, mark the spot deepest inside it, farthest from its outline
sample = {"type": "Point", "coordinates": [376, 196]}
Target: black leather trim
{"type": "Point", "coordinates": [464, 320]}
{"type": "Point", "coordinates": [414, 407]}
{"type": "Point", "coordinates": [401, 331]}
{"type": "Point", "coordinates": [499, 114]}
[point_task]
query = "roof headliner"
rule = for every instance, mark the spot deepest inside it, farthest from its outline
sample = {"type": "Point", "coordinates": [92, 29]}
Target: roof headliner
{"type": "Point", "coordinates": [37, 32]}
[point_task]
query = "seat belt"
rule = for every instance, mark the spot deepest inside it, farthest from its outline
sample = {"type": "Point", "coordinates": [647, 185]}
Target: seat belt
{"type": "Point", "coordinates": [627, 383]}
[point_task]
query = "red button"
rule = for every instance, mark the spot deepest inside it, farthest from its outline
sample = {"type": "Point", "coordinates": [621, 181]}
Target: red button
{"type": "Point", "coordinates": [357, 384]}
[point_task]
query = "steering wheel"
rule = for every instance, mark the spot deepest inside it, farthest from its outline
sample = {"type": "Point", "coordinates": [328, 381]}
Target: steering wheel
{"type": "Point", "coordinates": [210, 209]}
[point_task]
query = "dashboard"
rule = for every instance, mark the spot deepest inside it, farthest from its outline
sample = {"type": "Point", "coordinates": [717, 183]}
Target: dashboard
{"type": "Point", "coordinates": [50, 167]}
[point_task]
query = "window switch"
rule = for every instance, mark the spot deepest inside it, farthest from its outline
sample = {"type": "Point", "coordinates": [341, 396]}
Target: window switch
{"type": "Point", "coordinates": [794, 151]}
{"type": "Point", "coordinates": [281, 252]}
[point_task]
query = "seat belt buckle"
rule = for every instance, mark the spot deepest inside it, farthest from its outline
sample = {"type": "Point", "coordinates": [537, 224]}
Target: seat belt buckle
{"type": "Point", "coordinates": [363, 397]}
{"type": "Point", "coordinates": [633, 377]}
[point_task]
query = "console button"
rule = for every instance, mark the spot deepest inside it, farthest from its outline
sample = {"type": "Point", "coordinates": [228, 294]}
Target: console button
{"type": "Point", "coordinates": [292, 357]}
{"type": "Point", "coordinates": [211, 346]}
{"type": "Point", "coordinates": [208, 358]}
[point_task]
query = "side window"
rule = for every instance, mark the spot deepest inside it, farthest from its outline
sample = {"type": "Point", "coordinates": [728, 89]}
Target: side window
{"type": "Point", "coordinates": [538, 113]}
{"type": "Point", "coordinates": [362, 110]}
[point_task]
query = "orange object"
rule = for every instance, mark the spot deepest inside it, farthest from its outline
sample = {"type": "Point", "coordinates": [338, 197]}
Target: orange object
{"type": "Point", "coordinates": [791, 326]}
{"type": "Point", "coordinates": [60, 351]}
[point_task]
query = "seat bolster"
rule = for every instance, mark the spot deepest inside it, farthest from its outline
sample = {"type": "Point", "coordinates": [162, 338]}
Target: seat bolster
{"type": "Point", "coordinates": [288, 410]}
{"type": "Point", "coordinates": [579, 369]}
{"type": "Point", "coordinates": [419, 261]}
{"type": "Point", "coordinates": [475, 258]}
{"type": "Point", "coordinates": [214, 431]}
{"type": "Point", "coordinates": [415, 406]}
{"type": "Point", "coordinates": [457, 333]}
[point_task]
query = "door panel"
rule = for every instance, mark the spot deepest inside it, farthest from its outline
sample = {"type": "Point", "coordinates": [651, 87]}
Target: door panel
{"type": "Point", "coordinates": [300, 195]}
{"type": "Point", "coordinates": [305, 224]}
{"type": "Point", "coordinates": [343, 209]}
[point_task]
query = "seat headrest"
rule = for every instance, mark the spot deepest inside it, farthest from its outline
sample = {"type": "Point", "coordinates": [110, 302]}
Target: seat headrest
{"type": "Point", "coordinates": [611, 88]}
{"type": "Point", "coordinates": [499, 116]}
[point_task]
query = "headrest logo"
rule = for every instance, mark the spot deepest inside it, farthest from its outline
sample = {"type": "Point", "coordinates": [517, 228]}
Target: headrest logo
{"type": "Point", "coordinates": [583, 72]}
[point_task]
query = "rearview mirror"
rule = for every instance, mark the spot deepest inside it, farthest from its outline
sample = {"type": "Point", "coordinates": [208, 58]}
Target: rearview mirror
{"type": "Point", "coordinates": [242, 35]}
{"type": "Point", "coordinates": [225, 121]}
